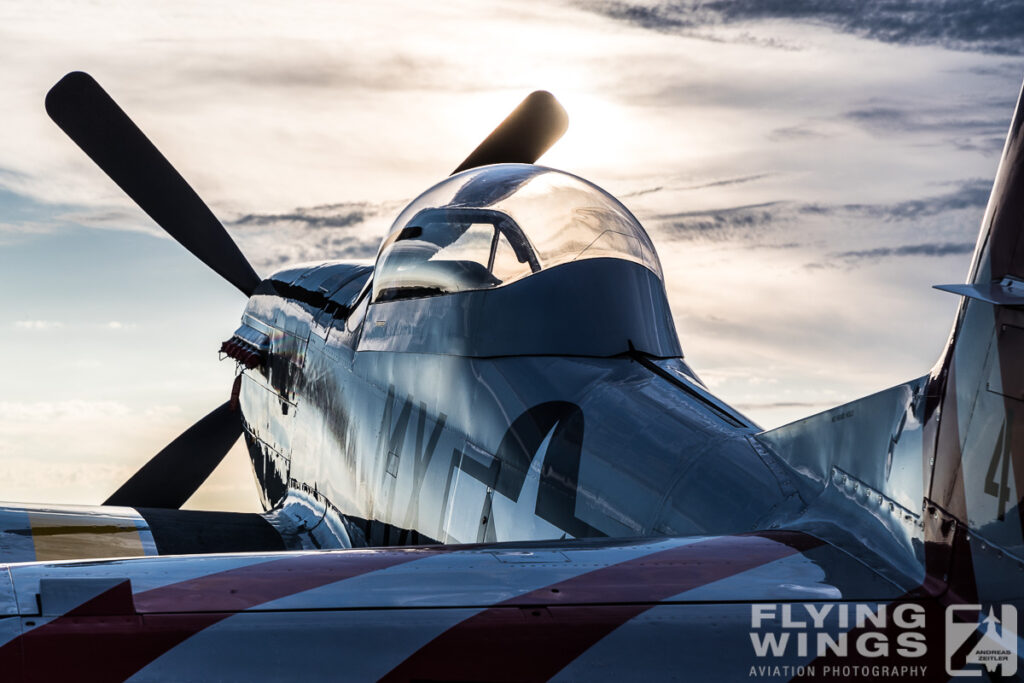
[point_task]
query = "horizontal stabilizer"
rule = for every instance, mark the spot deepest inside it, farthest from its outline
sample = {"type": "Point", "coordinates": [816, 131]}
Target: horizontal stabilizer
{"type": "Point", "coordinates": [1006, 292]}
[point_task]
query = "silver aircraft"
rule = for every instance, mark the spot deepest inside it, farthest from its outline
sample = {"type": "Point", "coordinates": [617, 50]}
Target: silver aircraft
{"type": "Point", "coordinates": [485, 458]}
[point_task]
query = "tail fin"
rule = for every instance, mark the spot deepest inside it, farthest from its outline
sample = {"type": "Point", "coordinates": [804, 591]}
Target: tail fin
{"type": "Point", "coordinates": [945, 451]}
{"type": "Point", "coordinates": [977, 472]}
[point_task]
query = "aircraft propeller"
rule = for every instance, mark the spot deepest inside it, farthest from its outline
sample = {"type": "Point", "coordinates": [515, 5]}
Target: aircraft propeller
{"type": "Point", "coordinates": [525, 134]}
{"type": "Point", "coordinates": [91, 118]}
{"type": "Point", "coordinates": [103, 131]}
{"type": "Point", "coordinates": [175, 473]}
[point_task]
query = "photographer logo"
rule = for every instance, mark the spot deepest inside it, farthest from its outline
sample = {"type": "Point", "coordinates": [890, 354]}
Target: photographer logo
{"type": "Point", "coordinates": [992, 642]}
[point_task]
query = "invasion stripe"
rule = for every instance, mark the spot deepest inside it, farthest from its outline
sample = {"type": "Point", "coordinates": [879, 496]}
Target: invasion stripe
{"type": "Point", "coordinates": [78, 646]}
{"type": "Point", "coordinates": [533, 636]}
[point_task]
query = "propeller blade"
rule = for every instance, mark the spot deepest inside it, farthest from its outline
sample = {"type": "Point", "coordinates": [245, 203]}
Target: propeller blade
{"type": "Point", "coordinates": [173, 475]}
{"type": "Point", "coordinates": [102, 130]}
{"type": "Point", "coordinates": [529, 131]}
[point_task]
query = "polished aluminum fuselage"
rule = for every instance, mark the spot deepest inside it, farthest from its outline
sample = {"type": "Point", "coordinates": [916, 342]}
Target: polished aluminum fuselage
{"type": "Point", "coordinates": [568, 413]}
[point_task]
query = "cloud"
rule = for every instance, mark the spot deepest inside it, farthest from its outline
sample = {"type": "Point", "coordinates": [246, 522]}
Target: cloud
{"type": "Point", "coordinates": [38, 325]}
{"type": "Point", "coordinates": [20, 218]}
{"type": "Point", "coordinates": [994, 26]}
{"type": "Point", "coordinates": [958, 124]}
{"type": "Point", "coordinates": [724, 223]}
{"type": "Point", "coordinates": [291, 69]}
{"type": "Point", "coordinates": [14, 234]}
{"type": "Point", "coordinates": [798, 132]}
{"type": "Point", "coordinates": [892, 117]}
{"type": "Point", "coordinates": [328, 216]}
{"type": "Point", "coordinates": [971, 194]}
{"type": "Point", "coordinates": [45, 325]}
{"type": "Point", "coordinates": [348, 230]}
{"type": "Point", "coordinates": [729, 181]}
{"type": "Point", "coordinates": [926, 249]}
{"type": "Point", "coordinates": [794, 224]}
{"type": "Point", "coordinates": [672, 187]}
{"type": "Point", "coordinates": [809, 405]}
{"type": "Point", "coordinates": [36, 436]}
{"type": "Point", "coordinates": [13, 414]}
{"type": "Point", "coordinates": [129, 218]}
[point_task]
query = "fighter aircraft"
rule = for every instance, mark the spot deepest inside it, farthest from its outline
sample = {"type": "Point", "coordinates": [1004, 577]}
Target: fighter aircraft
{"type": "Point", "coordinates": [485, 458]}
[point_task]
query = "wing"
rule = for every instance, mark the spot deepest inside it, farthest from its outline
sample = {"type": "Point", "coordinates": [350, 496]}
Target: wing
{"type": "Point", "coordinates": [595, 609]}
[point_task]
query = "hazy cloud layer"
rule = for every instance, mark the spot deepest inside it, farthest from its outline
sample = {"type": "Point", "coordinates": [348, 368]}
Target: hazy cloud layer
{"type": "Point", "coordinates": [936, 249]}
{"type": "Point", "coordinates": [975, 126]}
{"type": "Point", "coordinates": [730, 223]}
{"type": "Point", "coordinates": [970, 194]}
{"type": "Point", "coordinates": [336, 216]}
{"type": "Point", "coordinates": [724, 182]}
{"type": "Point", "coordinates": [994, 26]}
{"type": "Point", "coordinates": [30, 432]}
{"type": "Point", "coordinates": [820, 227]}
{"type": "Point", "coordinates": [37, 325]}
{"type": "Point", "coordinates": [350, 231]}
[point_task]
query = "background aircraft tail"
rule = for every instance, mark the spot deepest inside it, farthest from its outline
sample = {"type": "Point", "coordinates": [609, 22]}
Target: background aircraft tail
{"type": "Point", "coordinates": [977, 475]}
{"type": "Point", "coordinates": [940, 459]}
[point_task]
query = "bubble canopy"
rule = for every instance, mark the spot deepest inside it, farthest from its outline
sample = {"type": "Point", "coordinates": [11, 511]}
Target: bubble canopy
{"type": "Point", "coordinates": [494, 225]}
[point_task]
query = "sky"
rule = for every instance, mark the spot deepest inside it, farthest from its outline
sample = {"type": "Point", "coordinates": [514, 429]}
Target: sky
{"type": "Point", "coordinates": [807, 170]}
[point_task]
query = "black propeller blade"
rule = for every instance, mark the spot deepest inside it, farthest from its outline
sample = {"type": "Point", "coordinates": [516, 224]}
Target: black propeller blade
{"type": "Point", "coordinates": [101, 128]}
{"type": "Point", "coordinates": [524, 136]}
{"type": "Point", "coordinates": [173, 475]}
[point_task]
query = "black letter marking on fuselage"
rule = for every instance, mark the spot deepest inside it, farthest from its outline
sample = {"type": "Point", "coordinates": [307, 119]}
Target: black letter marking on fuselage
{"type": "Point", "coordinates": [395, 445]}
{"type": "Point", "coordinates": [559, 479]}
{"type": "Point", "coordinates": [421, 458]}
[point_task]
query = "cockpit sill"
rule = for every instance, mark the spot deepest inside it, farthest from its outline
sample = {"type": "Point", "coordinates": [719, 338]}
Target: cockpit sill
{"type": "Point", "coordinates": [595, 307]}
